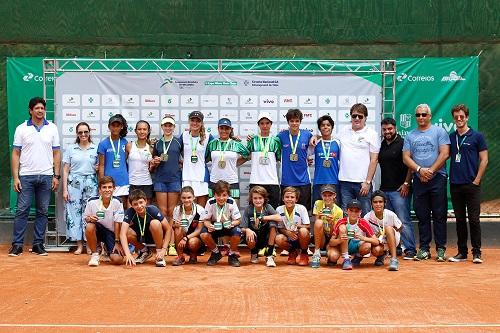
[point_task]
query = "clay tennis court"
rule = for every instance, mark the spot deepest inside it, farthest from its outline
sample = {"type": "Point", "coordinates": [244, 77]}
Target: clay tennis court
{"type": "Point", "coordinates": [60, 293]}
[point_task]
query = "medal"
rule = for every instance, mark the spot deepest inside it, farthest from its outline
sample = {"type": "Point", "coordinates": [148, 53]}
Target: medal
{"type": "Point", "coordinates": [294, 157]}
{"type": "Point", "coordinates": [184, 219]}
{"type": "Point", "coordinates": [257, 217]}
{"type": "Point", "coordinates": [222, 164]}
{"type": "Point", "coordinates": [351, 230]}
{"type": "Point", "coordinates": [194, 158]}
{"type": "Point", "coordinates": [326, 154]}
{"type": "Point", "coordinates": [116, 153]}
{"type": "Point", "coordinates": [263, 160]}
{"type": "Point", "coordinates": [100, 214]}
{"type": "Point", "coordinates": [194, 146]}
{"type": "Point", "coordinates": [163, 157]}
{"type": "Point", "coordinates": [184, 223]}
{"type": "Point", "coordinates": [219, 215]}
{"type": "Point", "coordinates": [290, 223]}
{"type": "Point", "coordinates": [326, 163]}
{"type": "Point", "coordinates": [116, 163]}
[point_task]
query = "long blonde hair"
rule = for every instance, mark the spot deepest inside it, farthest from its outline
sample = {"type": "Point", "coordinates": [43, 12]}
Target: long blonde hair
{"type": "Point", "coordinates": [203, 133]}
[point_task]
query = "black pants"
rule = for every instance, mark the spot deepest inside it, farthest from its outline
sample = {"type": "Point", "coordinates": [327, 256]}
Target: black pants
{"type": "Point", "coordinates": [466, 198]}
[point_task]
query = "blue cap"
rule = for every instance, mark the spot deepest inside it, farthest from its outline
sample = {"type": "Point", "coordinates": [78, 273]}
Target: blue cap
{"type": "Point", "coordinates": [225, 122]}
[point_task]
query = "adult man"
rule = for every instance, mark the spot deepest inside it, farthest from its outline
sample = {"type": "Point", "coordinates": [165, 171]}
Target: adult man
{"type": "Point", "coordinates": [294, 166]}
{"type": "Point", "coordinates": [36, 160]}
{"type": "Point", "coordinates": [265, 152]}
{"type": "Point", "coordinates": [469, 158]}
{"type": "Point", "coordinates": [425, 151]}
{"type": "Point", "coordinates": [395, 182]}
{"type": "Point", "coordinates": [360, 146]}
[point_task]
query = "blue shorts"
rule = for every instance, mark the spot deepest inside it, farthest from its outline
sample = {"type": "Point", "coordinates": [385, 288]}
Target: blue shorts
{"type": "Point", "coordinates": [236, 231]}
{"type": "Point", "coordinates": [353, 246]}
{"type": "Point", "coordinates": [170, 187]}
{"type": "Point", "coordinates": [106, 236]}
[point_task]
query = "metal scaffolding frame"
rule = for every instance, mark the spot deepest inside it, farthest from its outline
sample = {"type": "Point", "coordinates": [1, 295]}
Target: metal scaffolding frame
{"type": "Point", "coordinates": [52, 67]}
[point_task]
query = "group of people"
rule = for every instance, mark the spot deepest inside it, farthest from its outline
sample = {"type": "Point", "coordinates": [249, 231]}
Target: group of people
{"type": "Point", "coordinates": [109, 189]}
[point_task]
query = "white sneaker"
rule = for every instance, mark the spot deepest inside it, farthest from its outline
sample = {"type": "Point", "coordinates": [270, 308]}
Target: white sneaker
{"type": "Point", "coordinates": [161, 263]}
{"type": "Point", "coordinates": [254, 258]}
{"type": "Point", "coordinates": [94, 260]}
{"type": "Point", "coordinates": [270, 262]}
{"type": "Point", "coordinates": [309, 252]}
{"type": "Point", "coordinates": [284, 253]}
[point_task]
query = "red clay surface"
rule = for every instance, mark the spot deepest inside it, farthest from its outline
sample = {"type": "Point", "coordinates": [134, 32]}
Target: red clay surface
{"type": "Point", "coordinates": [60, 293]}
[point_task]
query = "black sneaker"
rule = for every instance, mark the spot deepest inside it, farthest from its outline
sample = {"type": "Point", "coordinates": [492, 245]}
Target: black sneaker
{"type": "Point", "coordinates": [380, 260]}
{"type": "Point", "coordinates": [476, 258]}
{"type": "Point", "coordinates": [233, 260]}
{"type": "Point", "coordinates": [409, 255]}
{"type": "Point", "coordinates": [458, 258]}
{"type": "Point", "coordinates": [15, 250]}
{"type": "Point", "coordinates": [39, 250]}
{"type": "Point", "coordinates": [399, 251]}
{"type": "Point", "coordinates": [356, 261]}
{"type": "Point", "coordinates": [214, 258]}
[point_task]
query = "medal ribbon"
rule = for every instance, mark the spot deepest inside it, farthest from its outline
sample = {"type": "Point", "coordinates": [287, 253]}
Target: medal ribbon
{"type": "Point", "coordinates": [143, 228]}
{"type": "Point", "coordinates": [219, 212]}
{"type": "Point", "coordinates": [255, 217]}
{"type": "Point", "coordinates": [165, 149]}
{"type": "Point", "coordinates": [116, 152]}
{"type": "Point", "coordinates": [265, 148]}
{"type": "Point", "coordinates": [223, 150]}
{"type": "Point", "coordinates": [290, 217]}
{"type": "Point", "coordinates": [326, 153]}
{"type": "Point", "coordinates": [195, 145]}
{"type": "Point", "coordinates": [294, 147]}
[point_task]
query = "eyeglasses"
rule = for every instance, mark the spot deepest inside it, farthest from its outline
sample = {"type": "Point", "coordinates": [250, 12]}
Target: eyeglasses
{"type": "Point", "coordinates": [357, 116]}
{"type": "Point", "coordinates": [83, 132]}
{"type": "Point", "coordinates": [459, 117]}
{"type": "Point", "coordinates": [423, 115]}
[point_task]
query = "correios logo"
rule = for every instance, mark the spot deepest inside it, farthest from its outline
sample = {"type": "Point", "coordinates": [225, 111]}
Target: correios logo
{"type": "Point", "coordinates": [453, 76]}
{"type": "Point", "coordinates": [415, 78]}
{"type": "Point", "coordinates": [33, 77]}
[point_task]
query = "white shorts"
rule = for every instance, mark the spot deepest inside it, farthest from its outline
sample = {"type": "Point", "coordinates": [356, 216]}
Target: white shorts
{"type": "Point", "coordinates": [397, 235]}
{"type": "Point", "coordinates": [121, 191]}
{"type": "Point", "coordinates": [200, 188]}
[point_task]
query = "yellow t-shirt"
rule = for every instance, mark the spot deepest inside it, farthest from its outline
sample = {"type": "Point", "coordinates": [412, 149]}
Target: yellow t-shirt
{"type": "Point", "coordinates": [336, 212]}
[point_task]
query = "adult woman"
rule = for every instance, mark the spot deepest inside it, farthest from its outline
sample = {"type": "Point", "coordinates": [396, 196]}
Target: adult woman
{"type": "Point", "coordinates": [166, 162]}
{"type": "Point", "coordinates": [194, 169]}
{"type": "Point", "coordinates": [79, 182]}
{"type": "Point", "coordinates": [140, 155]}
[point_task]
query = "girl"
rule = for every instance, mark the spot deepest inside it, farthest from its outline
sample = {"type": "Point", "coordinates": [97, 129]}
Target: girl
{"type": "Point", "coordinates": [188, 222]}
{"type": "Point", "coordinates": [79, 182]}
{"type": "Point", "coordinates": [194, 169]}
{"type": "Point", "coordinates": [166, 161]}
{"type": "Point", "coordinates": [140, 156]}
{"type": "Point", "coordinates": [259, 222]}
{"type": "Point", "coordinates": [113, 156]}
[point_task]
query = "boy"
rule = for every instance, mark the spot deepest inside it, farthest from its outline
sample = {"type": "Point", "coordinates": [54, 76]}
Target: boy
{"type": "Point", "coordinates": [222, 219]}
{"type": "Point", "coordinates": [352, 235]}
{"type": "Point", "coordinates": [293, 227]}
{"type": "Point", "coordinates": [327, 213]}
{"type": "Point", "coordinates": [104, 216]}
{"type": "Point", "coordinates": [143, 225]}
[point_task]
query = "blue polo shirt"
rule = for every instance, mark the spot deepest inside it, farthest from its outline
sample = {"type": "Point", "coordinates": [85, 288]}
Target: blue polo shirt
{"type": "Point", "coordinates": [471, 143]}
{"type": "Point", "coordinates": [294, 173]}
{"type": "Point", "coordinates": [324, 175]}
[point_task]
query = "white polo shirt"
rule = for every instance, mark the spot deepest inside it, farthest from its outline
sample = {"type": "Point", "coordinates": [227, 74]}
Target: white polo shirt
{"type": "Point", "coordinates": [356, 147]}
{"type": "Point", "coordinates": [36, 146]}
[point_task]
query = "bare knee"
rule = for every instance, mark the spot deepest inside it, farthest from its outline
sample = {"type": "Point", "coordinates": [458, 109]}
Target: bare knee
{"type": "Point", "coordinates": [116, 259]}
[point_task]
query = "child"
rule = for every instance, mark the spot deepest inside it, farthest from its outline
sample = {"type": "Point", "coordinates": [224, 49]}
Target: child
{"type": "Point", "coordinates": [293, 227]}
{"type": "Point", "coordinates": [222, 219]}
{"type": "Point", "coordinates": [327, 213]}
{"type": "Point", "coordinates": [259, 225]}
{"type": "Point", "coordinates": [188, 222]}
{"type": "Point", "coordinates": [143, 225]}
{"type": "Point", "coordinates": [104, 215]}
{"type": "Point", "coordinates": [386, 226]}
{"type": "Point", "coordinates": [352, 235]}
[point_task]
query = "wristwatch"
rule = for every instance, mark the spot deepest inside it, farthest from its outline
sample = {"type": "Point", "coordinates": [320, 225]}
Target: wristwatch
{"type": "Point", "coordinates": [57, 177]}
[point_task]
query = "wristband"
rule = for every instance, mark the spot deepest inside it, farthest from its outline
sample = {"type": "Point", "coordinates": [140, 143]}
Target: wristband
{"type": "Point", "coordinates": [117, 241]}
{"type": "Point", "coordinates": [418, 169]}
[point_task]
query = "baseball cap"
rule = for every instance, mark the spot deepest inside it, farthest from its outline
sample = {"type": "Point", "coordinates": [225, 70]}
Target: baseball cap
{"type": "Point", "coordinates": [225, 122]}
{"type": "Point", "coordinates": [354, 204]}
{"type": "Point", "coordinates": [264, 114]}
{"type": "Point", "coordinates": [328, 188]}
{"type": "Point", "coordinates": [168, 120]}
{"type": "Point", "coordinates": [115, 119]}
{"type": "Point", "coordinates": [196, 114]}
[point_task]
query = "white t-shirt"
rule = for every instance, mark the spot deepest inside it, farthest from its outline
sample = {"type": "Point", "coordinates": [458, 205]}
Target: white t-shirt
{"type": "Point", "coordinates": [231, 210]}
{"type": "Point", "coordinates": [356, 147]}
{"type": "Point", "coordinates": [36, 146]}
{"type": "Point", "coordinates": [194, 171]}
{"type": "Point", "coordinates": [198, 210]}
{"type": "Point", "coordinates": [300, 216]}
{"type": "Point", "coordinates": [390, 219]}
{"type": "Point", "coordinates": [138, 165]}
{"type": "Point", "coordinates": [114, 212]}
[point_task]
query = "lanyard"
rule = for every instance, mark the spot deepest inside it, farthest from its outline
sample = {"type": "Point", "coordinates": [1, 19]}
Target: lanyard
{"type": "Point", "coordinates": [265, 148]}
{"type": "Point", "coordinates": [461, 143]}
{"type": "Point", "coordinates": [255, 216]}
{"type": "Point", "coordinates": [184, 211]}
{"type": "Point", "coordinates": [219, 212]}
{"type": "Point", "coordinates": [101, 204]}
{"type": "Point", "coordinates": [143, 228]}
{"type": "Point", "coordinates": [116, 152]}
{"type": "Point", "coordinates": [290, 217]}
{"type": "Point", "coordinates": [326, 152]}
{"type": "Point", "coordinates": [194, 145]}
{"type": "Point", "coordinates": [223, 150]}
{"type": "Point", "coordinates": [294, 147]}
{"type": "Point", "coordinates": [165, 149]}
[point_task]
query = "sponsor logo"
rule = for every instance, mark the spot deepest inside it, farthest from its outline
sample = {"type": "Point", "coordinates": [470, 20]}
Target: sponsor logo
{"type": "Point", "coordinates": [453, 76]}
{"type": "Point", "coordinates": [265, 83]}
{"type": "Point", "coordinates": [268, 101]}
{"type": "Point", "coordinates": [405, 120]}
{"type": "Point", "coordinates": [415, 78]}
{"type": "Point", "coordinates": [448, 127]}
{"type": "Point", "coordinates": [167, 81]}
{"type": "Point", "coordinates": [246, 83]}
{"type": "Point", "coordinates": [28, 77]}
{"type": "Point", "coordinates": [182, 84]}
{"type": "Point", "coordinates": [221, 83]}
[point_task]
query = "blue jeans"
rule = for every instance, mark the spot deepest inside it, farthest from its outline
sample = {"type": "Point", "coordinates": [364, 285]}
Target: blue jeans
{"type": "Point", "coordinates": [349, 191]}
{"type": "Point", "coordinates": [430, 199]}
{"type": "Point", "coordinates": [401, 206]}
{"type": "Point", "coordinates": [40, 187]}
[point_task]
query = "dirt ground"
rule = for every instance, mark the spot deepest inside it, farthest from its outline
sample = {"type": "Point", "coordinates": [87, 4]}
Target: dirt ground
{"type": "Point", "coordinates": [60, 293]}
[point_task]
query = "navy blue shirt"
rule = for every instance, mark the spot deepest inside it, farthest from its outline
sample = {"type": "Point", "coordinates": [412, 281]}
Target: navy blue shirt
{"type": "Point", "coordinates": [471, 143]}
{"type": "Point", "coordinates": [169, 170]}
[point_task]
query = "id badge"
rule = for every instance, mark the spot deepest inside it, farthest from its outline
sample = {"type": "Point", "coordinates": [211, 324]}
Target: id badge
{"type": "Point", "coordinates": [458, 157]}
{"type": "Point", "coordinates": [116, 163]}
{"type": "Point", "coordinates": [264, 160]}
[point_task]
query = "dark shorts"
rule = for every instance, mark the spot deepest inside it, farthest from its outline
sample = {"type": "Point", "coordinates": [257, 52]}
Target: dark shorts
{"type": "Point", "coordinates": [147, 189]}
{"type": "Point", "coordinates": [261, 237]}
{"type": "Point", "coordinates": [353, 246]}
{"type": "Point", "coordinates": [106, 236]}
{"type": "Point", "coordinates": [167, 187]}
{"type": "Point", "coordinates": [234, 189]}
{"type": "Point", "coordinates": [236, 231]}
{"type": "Point", "coordinates": [305, 195]}
{"type": "Point", "coordinates": [147, 238]}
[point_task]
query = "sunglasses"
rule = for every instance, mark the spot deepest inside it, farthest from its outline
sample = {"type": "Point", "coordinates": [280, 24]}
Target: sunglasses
{"type": "Point", "coordinates": [423, 115]}
{"type": "Point", "coordinates": [83, 132]}
{"type": "Point", "coordinates": [357, 116]}
{"type": "Point", "coordinates": [459, 117]}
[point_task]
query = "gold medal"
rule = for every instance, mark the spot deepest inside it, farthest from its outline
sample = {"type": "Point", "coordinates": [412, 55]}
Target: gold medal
{"type": "Point", "coordinates": [294, 157]}
{"type": "Point", "coordinates": [222, 164]}
{"type": "Point", "coordinates": [264, 160]}
{"type": "Point", "coordinates": [327, 163]}
{"type": "Point", "coordinates": [164, 157]}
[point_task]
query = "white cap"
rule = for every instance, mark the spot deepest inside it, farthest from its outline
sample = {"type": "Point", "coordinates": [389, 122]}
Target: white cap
{"type": "Point", "coordinates": [264, 114]}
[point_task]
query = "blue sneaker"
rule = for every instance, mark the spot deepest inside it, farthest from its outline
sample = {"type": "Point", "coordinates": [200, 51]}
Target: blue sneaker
{"type": "Point", "coordinates": [356, 261]}
{"type": "Point", "coordinates": [394, 264]}
{"type": "Point", "coordinates": [315, 260]}
{"type": "Point", "coordinates": [347, 264]}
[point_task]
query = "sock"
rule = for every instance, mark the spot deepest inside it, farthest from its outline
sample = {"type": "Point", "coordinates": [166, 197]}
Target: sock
{"type": "Point", "coordinates": [345, 255]}
{"type": "Point", "coordinates": [270, 250]}
{"type": "Point", "coordinates": [216, 250]}
{"type": "Point", "coordinates": [316, 251]}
